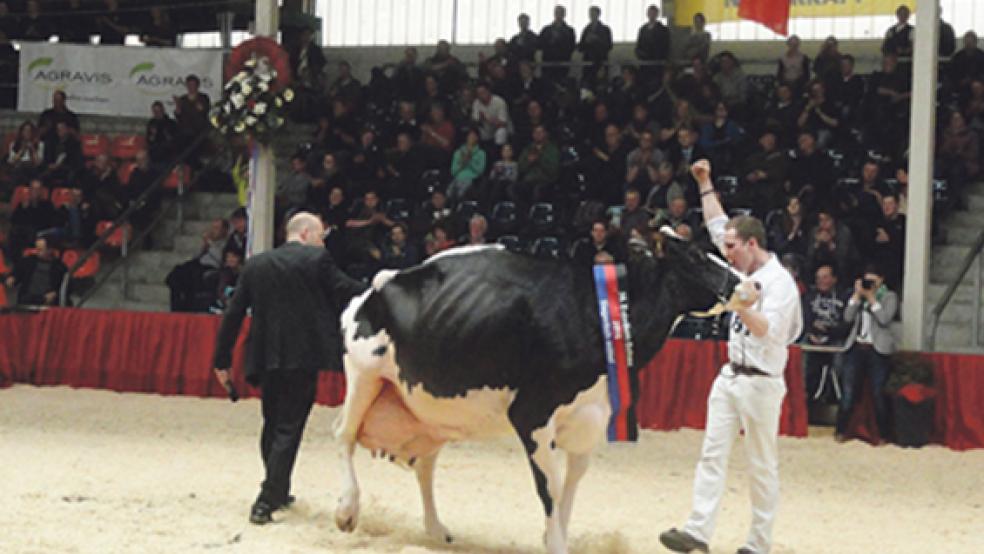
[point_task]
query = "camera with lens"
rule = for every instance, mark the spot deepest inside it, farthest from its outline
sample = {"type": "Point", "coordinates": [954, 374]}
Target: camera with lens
{"type": "Point", "coordinates": [867, 284]}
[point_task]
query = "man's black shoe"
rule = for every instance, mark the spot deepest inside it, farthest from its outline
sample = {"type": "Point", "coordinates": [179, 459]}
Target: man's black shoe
{"type": "Point", "coordinates": [681, 541]}
{"type": "Point", "coordinates": [261, 513]}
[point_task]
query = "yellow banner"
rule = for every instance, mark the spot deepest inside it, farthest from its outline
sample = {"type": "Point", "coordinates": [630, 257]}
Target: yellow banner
{"type": "Point", "coordinates": [717, 11]}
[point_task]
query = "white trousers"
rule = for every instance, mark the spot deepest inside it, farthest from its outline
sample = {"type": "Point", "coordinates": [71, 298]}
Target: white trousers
{"type": "Point", "coordinates": [751, 403]}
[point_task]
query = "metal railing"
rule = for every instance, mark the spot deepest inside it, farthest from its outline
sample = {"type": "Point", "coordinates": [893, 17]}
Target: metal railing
{"type": "Point", "coordinates": [975, 322]}
{"type": "Point", "coordinates": [122, 221]}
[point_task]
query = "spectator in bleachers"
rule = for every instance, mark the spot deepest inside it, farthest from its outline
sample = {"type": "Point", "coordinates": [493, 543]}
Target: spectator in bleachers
{"type": "Point", "coordinates": [292, 190]}
{"type": "Point", "coordinates": [642, 163]}
{"type": "Point", "coordinates": [683, 118]}
{"type": "Point", "coordinates": [35, 26]}
{"type": "Point", "coordinates": [849, 90]}
{"type": "Point", "coordinates": [398, 251]}
{"type": "Point", "coordinates": [870, 311]}
{"type": "Point", "coordinates": [431, 96]}
{"type": "Point", "coordinates": [365, 229]}
{"type": "Point", "coordinates": [448, 69]}
{"type": "Point", "coordinates": [331, 175]}
{"type": "Point", "coordinates": [607, 167]}
{"type": "Point", "coordinates": [634, 215]}
{"type": "Point", "coordinates": [958, 155]}
{"type": "Point", "coordinates": [721, 138]}
{"type": "Point", "coordinates": [820, 115]}
{"type": "Point", "coordinates": [762, 175]}
{"type": "Point", "coordinates": [334, 216]}
{"type": "Point", "coordinates": [213, 244]}
{"type": "Point", "coordinates": [66, 157]}
{"type": "Point", "coordinates": [698, 41]}
{"type": "Point", "coordinates": [889, 241]}
{"type": "Point", "coordinates": [467, 165]}
{"type": "Point", "coordinates": [158, 29]}
{"type": "Point", "coordinates": [25, 155]}
{"type": "Point", "coordinates": [38, 277]}
{"type": "Point", "coordinates": [345, 86]}
{"type": "Point", "coordinates": [101, 185]}
{"type": "Point", "coordinates": [556, 44]}
{"type": "Point", "coordinates": [30, 218]}
{"type": "Point", "coordinates": [823, 325]}
{"type": "Point", "coordinates": [787, 229]}
{"type": "Point", "coordinates": [599, 247]}
{"type": "Point", "coordinates": [899, 37]}
{"type": "Point", "coordinates": [437, 240]}
{"type": "Point", "coordinates": [160, 135]}
{"type": "Point", "coordinates": [677, 212]}
{"type": "Point", "coordinates": [307, 63]}
{"type": "Point", "coordinates": [193, 283]}
{"type": "Point", "coordinates": [499, 58]}
{"type": "Point", "coordinates": [827, 65]}
{"type": "Point", "coordinates": [112, 25]}
{"type": "Point", "coordinates": [434, 211]}
{"type": "Point", "coordinates": [478, 226]}
{"type": "Point", "coordinates": [58, 112]}
{"type": "Point", "coordinates": [523, 45]}
{"type": "Point", "coordinates": [236, 241]}
{"type": "Point", "coordinates": [640, 123]}
{"type": "Point", "coordinates": [972, 105]}
{"type": "Point", "coordinates": [503, 176]}
{"type": "Point", "coordinates": [408, 78]}
{"type": "Point", "coordinates": [967, 64]}
{"type": "Point", "coordinates": [682, 154]}
{"type": "Point", "coordinates": [227, 280]}
{"type": "Point", "coordinates": [794, 66]}
{"type": "Point", "coordinates": [539, 167]}
{"type": "Point", "coordinates": [653, 49]}
{"type": "Point", "coordinates": [404, 170]}
{"type": "Point", "coordinates": [345, 123]}
{"type": "Point", "coordinates": [438, 133]}
{"type": "Point", "coordinates": [191, 113]}
{"type": "Point", "coordinates": [731, 82]}
{"type": "Point", "coordinates": [664, 189]}
{"type": "Point", "coordinates": [591, 132]}
{"type": "Point", "coordinates": [811, 173]}
{"type": "Point", "coordinates": [793, 263]}
{"type": "Point", "coordinates": [625, 94]}
{"type": "Point", "coordinates": [77, 220]}
{"type": "Point", "coordinates": [526, 88]}
{"type": "Point", "coordinates": [328, 137]}
{"type": "Point", "coordinates": [368, 163]}
{"type": "Point", "coordinates": [889, 92]}
{"type": "Point", "coordinates": [782, 115]}
{"type": "Point", "coordinates": [595, 44]}
{"type": "Point", "coordinates": [830, 243]}
{"type": "Point", "coordinates": [73, 27]}
{"type": "Point", "coordinates": [491, 115]}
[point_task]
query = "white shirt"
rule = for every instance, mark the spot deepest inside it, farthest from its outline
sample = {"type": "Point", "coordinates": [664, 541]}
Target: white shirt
{"type": "Point", "coordinates": [779, 302]}
{"type": "Point", "coordinates": [864, 333]}
{"type": "Point", "coordinates": [495, 109]}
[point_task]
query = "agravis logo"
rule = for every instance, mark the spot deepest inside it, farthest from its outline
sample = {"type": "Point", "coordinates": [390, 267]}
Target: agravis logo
{"type": "Point", "coordinates": [142, 75]}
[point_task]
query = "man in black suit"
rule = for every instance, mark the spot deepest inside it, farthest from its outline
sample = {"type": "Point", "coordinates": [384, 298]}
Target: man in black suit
{"type": "Point", "coordinates": [296, 293]}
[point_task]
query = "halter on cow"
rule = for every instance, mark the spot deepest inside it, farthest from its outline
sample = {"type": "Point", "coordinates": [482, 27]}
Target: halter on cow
{"type": "Point", "coordinates": [480, 342]}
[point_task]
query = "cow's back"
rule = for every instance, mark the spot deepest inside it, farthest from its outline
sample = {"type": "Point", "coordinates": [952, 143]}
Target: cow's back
{"type": "Point", "coordinates": [489, 318]}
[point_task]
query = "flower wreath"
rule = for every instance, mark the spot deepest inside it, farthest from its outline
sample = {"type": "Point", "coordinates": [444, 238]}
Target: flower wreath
{"type": "Point", "coordinates": [256, 94]}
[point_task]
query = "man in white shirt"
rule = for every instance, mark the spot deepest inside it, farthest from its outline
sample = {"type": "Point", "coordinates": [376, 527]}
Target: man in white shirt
{"type": "Point", "coordinates": [491, 114]}
{"type": "Point", "coordinates": [748, 393]}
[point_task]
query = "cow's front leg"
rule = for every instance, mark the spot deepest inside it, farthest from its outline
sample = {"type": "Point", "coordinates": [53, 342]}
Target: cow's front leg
{"type": "Point", "coordinates": [538, 433]}
{"type": "Point", "coordinates": [578, 435]}
{"type": "Point", "coordinates": [425, 479]}
{"type": "Point", "coordinates": [362, 390]}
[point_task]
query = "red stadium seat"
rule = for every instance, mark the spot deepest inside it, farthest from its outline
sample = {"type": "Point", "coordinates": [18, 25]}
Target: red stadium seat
{"type": "Point", "coordinates": [34, 252]}
{"type": "Point", "coordinates": [61, 196]}
{"type": "Point", "coordinates": [23, 193]}
{"type": "Point", "coordinates": [94, 145]}
{"type": "Point", "coordinates": [124, 172]}
{"type": "Point", "coordinates": [88, 269]}
{"type": "Point", "coordinates": [125, 147]}
{"type": "Point", "coordinates": [179, 172]}
{"type": "Point", "coordinates": [116, 239]}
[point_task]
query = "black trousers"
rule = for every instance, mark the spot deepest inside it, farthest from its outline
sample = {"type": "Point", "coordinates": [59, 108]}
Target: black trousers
{"type": "Point", "coordinates": [287, 398]}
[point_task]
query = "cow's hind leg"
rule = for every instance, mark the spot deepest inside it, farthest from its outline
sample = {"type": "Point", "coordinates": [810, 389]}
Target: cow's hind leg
{"type": "Point", "coordinates": [425, 478]}
{"type": "Point", "coordinates": [362, 388]}
{"type": "Point", "coordinates": [538, 432]}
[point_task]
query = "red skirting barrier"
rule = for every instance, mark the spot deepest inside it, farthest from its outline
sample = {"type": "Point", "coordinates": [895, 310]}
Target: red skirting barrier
{"type": "Point", "coordinates": [172, 354]}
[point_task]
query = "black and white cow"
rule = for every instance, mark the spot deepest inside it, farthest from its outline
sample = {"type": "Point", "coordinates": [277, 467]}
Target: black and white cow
{"type": "Point", "coordinates": [480, 341]}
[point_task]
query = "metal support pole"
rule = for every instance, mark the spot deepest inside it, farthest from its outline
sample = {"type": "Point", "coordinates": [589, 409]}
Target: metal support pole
{"type": "Point", "coordinates": [261, 208]}
{"type": "Point", "coordinates": [180, 216]}
{"type": "Point", "coordinates": [978, 282]}
{"type": "Point", "coordinates": [921, 146]}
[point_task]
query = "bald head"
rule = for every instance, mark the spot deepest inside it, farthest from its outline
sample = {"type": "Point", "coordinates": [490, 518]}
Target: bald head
{"type": "Point", "coordinates": [306, 228]}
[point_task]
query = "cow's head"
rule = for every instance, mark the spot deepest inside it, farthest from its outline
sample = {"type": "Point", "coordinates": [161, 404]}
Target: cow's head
{"type": "Point", "coordinates": [700, 282]}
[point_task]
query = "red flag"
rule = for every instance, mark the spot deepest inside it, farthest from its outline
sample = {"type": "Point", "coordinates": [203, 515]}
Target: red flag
{"type": "Point", "coordinates": [774, 14]}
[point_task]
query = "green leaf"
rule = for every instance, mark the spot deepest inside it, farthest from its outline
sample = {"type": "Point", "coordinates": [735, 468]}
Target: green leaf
{"type": "Point", "coordinates": [40, 62]}
{"type": "Point", "coordinates": [145, 66]}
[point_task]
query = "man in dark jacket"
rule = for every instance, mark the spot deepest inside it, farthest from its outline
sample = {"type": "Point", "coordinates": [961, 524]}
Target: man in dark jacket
{"type": "Point", "coordinates": [38, 277]}
{"type": "Point", "coordinates": [557, 44]}
{"type": "Point", "coordinates": [653, 45]}
{"type": "Point", "coordinates": [296, 293]}
{"type": "Point", "coordinates": [595, 44]}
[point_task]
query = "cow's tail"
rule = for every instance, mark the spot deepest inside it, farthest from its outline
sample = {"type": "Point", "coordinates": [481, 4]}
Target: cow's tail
{"type": "Point", "coordinates": [384, 276]}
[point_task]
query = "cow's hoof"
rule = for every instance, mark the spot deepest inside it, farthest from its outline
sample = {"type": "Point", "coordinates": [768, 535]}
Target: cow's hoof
{"type": "Point", "coordinates": [347, 516]}
{"type": "Point", "coordinates": [438, 532]}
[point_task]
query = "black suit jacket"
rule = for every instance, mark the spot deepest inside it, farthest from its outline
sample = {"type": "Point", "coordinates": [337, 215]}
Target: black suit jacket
{"type": "Point", "coordinates": [297, 294]}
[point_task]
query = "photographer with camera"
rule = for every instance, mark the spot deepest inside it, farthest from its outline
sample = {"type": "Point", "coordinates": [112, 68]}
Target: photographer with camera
{"type": "Point", "coordinates": [871, 310]}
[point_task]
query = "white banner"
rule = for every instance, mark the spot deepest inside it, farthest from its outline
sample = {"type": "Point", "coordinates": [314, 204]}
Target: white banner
{"type": "Point", "coordinates": [112, 80]}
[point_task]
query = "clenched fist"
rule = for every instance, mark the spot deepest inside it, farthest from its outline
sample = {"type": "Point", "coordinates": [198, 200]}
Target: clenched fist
{"type": "Point", "coordinates": [701, 170]}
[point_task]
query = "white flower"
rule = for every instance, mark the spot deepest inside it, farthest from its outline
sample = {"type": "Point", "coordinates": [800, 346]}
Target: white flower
{"type": "Point", "coordinates": [239, 127]}
{"type": "Point", "coordinates": [278, 102]}
{"type": "Point", "coordinates": [246, 89]}
{"type": "Point", "coordinates": [250, 120]}
{"type": "Point", "coordinates": [237, 100]}
{"type": "Point", "coordinates": [288, 95]}
{"type": "Point", "coordinates": [241, 75]}
{"type": "Point", "coordinates": [250, 62]}
{"type": "Point", "coordinates": [263, 87]}
{"type": "Point", "coordinates": [260, 108]}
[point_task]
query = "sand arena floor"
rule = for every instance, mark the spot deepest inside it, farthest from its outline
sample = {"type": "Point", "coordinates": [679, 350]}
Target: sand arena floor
{"type": "Point", "coordinates": [101, 472]}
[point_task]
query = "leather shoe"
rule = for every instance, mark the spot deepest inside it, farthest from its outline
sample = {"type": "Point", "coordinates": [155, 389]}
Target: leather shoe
{"type": "Point", "coordinates": [261, 513]}
{"type": "Point", "coordinates": [681, 541]}
{"type": "Point", "coordinates": [745, 550]}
